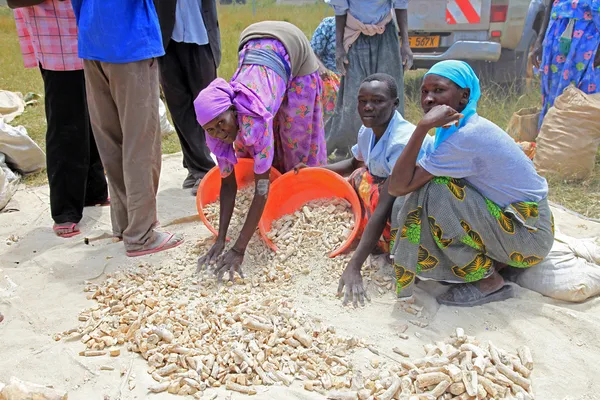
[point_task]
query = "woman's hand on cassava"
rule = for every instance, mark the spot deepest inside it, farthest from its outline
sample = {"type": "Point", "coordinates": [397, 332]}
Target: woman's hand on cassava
{"type": "Point", "coordinates": [352, 280]}
{"type": "Point", "coordinates": [440, 116]}
{"type": "Point", "coordinates": [212, 256]}
{"type": "Point", "coordinates": [230, 262]}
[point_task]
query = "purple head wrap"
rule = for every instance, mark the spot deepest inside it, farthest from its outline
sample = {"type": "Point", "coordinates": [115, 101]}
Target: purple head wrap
{"type": "Point", "coordinates": [220, 95]}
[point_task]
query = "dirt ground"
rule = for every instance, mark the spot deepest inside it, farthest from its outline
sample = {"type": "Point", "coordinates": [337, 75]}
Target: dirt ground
{"type": "Point", "coordinates": [41, 294]}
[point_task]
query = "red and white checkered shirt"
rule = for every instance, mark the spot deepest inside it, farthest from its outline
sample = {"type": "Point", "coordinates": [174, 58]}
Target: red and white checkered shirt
{"type": "Point", "coordinates": [48, 36]}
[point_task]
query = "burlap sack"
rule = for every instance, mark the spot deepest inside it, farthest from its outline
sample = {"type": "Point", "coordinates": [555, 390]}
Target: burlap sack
{"type": "Point", "coordinates": [569, 136]}
{"type": "Point", "coordinates": [523, 125]}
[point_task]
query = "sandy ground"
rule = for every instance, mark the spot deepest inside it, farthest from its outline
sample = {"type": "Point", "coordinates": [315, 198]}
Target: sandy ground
{"type": "Point", "coordinates": [49, 273]}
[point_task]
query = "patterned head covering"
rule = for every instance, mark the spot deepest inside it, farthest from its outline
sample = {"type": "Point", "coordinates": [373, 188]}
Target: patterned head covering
{"type": "Point", "coordinates": [463, 75]}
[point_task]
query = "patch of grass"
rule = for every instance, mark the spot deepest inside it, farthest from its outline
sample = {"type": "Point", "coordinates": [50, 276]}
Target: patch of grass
{"type": "Point", "coordinates": [582, 197]}
{"type": "Point", "coordinates": [233, 19]}
{"type": "Point", "coordinates": [498, 103]}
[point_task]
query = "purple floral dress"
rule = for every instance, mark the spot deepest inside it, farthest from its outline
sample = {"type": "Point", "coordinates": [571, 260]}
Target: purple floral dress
{"type": "Point", "coordinates": [294, 135]}
{"type": "Point", "coordinates": [576, 65]}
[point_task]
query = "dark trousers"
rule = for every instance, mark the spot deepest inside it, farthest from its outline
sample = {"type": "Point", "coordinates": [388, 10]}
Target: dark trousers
{"type": "Point", "coordinates": [75, 173]}
{"type": "Point", "coordinates": [185, 70]}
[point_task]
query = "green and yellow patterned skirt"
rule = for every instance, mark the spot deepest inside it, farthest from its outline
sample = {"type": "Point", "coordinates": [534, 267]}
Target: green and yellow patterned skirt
{"type": "Point", "coordinates": [448, 231]}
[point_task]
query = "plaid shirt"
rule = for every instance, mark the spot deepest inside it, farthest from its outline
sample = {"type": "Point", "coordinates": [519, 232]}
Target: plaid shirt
{"type": "Point", "coordinates": [48, 36]}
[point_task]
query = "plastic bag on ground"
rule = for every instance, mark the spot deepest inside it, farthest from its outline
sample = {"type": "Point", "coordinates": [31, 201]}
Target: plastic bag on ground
{"type": "Point", "coordinates": [11, 105]}
{"type": "Point", "coordinates": [8, 183]}
{"type": "Point", "coordinates": [571, 272]}
{"type": "Point", "coordinates": [165, 125]}
{"type": "Point", "coordinates": [22, 153]}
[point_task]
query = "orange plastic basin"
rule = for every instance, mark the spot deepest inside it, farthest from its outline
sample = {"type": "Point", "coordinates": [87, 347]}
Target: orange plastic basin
{"type": "Point", "coordinates": [290, 192]}
{"type": "Point", "coordinates": [210, 186]}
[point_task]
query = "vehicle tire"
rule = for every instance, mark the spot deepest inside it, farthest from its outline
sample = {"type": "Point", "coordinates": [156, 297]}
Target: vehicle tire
{"type": "Point", "coordinates": [483, 70]}
{"type": "Point", "coordinates": [511, 71]}
{"type": "Point", "coordinates": [514, 68]}
{"type": "Point", "coordinates": [524, 65]}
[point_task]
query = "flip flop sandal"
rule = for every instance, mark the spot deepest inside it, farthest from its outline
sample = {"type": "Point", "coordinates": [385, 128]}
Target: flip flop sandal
{"type": "Point", "coordinates": [71, 227]}
{"type": "Point", "coordinates": [170, 242]}
{"type": "Point", "coordinates": [470, 295]}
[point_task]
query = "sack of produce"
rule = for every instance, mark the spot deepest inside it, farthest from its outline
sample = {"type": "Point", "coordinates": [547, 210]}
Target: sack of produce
{"type": "Point", "coordinates": [569, 136]}
{"type": "Point", "coordinates": [523, 125]}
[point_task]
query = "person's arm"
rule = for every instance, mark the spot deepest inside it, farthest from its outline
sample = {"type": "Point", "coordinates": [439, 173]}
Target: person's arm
{"type": "Point", "coordinates": [345, 167]}
{"type": "Point", "coordinates": [351, 277]}
{"type": "Point", "coordinates": [407, 55]}
{"type": "Point", "coordinates": [323, 71]}
{"type": "Point", "coordinates": [23, 3]}
{"type": "Point", "coordinates": [232, 260]}
{"type": "Point", "coordinates": [341, 58]}
{"type": "Point", "coordinates": [261, 192]}
{"type": "Point", "coordinates": [227, 195]}
{"type": "Point", "coordinates": [536, 53]}
{"type": "Point", "coordinates": [374, 228]}
{"type": "Point", "coordinates": [407, 175]}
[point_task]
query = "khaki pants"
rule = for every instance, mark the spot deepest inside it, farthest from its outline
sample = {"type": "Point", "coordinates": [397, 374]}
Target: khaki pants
{"type": "Point", "coordinates": [123, 104]}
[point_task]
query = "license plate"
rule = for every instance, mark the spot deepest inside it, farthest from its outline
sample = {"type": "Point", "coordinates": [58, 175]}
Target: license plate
{"type": "Point", "coordinates": [421, 42]}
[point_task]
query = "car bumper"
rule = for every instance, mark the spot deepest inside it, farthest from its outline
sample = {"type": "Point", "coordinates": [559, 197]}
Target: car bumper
{"type": "Point", "coordinates": [462, 50]}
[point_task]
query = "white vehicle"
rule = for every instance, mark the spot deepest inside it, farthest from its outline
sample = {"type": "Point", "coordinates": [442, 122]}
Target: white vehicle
{"type": "Point", "coordinates": [494, 36]}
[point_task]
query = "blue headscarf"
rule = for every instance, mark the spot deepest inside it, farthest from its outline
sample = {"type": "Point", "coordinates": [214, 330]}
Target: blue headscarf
{"type": "Point", "coordinates": [463, 75]}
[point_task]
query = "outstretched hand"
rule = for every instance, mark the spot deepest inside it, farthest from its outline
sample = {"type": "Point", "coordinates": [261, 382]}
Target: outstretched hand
{"type": "Point", "coordinates": [352, 280]}
{"type": "Point", "coordinates": [211, 257]}
{"type": "Point", "coordinates": [230, 262]}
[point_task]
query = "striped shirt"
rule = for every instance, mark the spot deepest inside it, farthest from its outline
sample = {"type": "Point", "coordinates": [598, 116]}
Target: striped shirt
{"type": "Point", "coordinates": [48, 36]}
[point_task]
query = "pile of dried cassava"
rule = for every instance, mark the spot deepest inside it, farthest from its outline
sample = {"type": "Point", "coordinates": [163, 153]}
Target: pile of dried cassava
{"type": "Point", "coordinates": [319, 228]}
{"type": "Point", "coordinates": [242, 205]}
{"type": "Point", "coordinates": [22, 390]}
{"type": "Point", "coordinates": [458, 368]}
{"type": "Point", "coordinates": [239, 336]}
{"type": "Point", "coordinates": [197, 335]}
{"type": "Point", "coordinates": [244, 336]}
{"type": "Point", "coordinates": [304, 239]}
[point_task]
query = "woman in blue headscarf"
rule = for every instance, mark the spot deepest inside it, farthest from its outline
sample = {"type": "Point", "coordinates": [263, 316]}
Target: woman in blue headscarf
{"type": "Point", "coordinates": [476, 203]}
